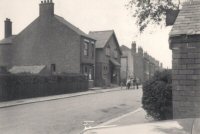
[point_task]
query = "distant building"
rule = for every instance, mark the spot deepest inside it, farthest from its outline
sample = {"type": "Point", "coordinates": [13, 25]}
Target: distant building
{"type": "Point", "coordinates": [51, 41]}
{"type": "Point", "coordinates": [137, 64]}
{"type": "Point", "coordinates": [127, 67]}
{"type": "Point", "coordinates": [108, 53]}
{"type": "Point", "coordinates": [124, 69]}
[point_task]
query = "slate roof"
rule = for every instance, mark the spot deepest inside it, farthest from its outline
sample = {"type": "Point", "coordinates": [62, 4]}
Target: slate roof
{"type": "Point", "coordinates": [7, 41]}
{"type": "Point", "coordinates": [188, 20]}
{"type": "Point", "coordinates": [124, 48]}
{"type": "Point", "coordinates": [101, 37]}
{"type": "Point", "coordinates": [27, 69]}
{"type": "Point", "coordinates": [68, 24]}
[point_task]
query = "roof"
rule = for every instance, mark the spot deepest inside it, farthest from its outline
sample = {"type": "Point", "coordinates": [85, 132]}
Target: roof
{"type": "Point", "coordinates": [124, 48]}
{"type": "Point", "coordinates": [27, 69]}
{"type": "Point", "coordinates": [113, 61]}
{"type": "Point", "coordinates": [101, 37]}
{"type": "Point", "coordinates": [188, 20]}
{"type": "Point", "coordinates": [75, 29]}
{"type": "Point", "coordinates": [7, 40]}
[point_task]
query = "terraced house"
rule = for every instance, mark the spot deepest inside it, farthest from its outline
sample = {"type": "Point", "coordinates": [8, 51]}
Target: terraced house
{"type": "Point", "coordinates": [49, 41]}
{"type": "Point", "coordinates": [107, 61]}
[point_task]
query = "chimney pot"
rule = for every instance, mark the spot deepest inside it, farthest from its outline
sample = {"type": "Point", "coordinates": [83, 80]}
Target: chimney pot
{"type": "Point", "coordinates": [46, 9]}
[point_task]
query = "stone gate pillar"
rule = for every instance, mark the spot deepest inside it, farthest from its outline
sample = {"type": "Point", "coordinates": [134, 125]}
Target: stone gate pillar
{"type": "Point", "coordinates": [184, 42]}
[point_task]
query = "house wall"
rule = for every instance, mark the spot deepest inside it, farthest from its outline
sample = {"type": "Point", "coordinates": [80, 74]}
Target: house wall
{"type": "Point", "coordinates": [6, 55]}
{"type": "Point", "coordinates": [130, 59]}
{"type": "Point", "coordinates": [90, 58]}
{"type": "Point", "coordinates": [139, 66]}
{"type": "Point", "coordinates": [103, 69]}
{"type": "Point", "coordinates": [186, 77]}
{"type": "Point", "coordinates": [124, 69]}
{"type": "Point", "coordinates": [46, 41]}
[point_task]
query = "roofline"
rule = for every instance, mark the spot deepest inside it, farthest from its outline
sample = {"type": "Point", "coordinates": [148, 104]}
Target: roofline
{"type": "Point", "coordinates": [101, 31]}
{"type": "Point", "coordinates": [116, 41]}
{"type": "Point", "coordinates": [88, 38]}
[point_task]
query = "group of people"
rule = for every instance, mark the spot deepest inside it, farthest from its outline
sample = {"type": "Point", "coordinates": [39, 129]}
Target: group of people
{"type": "Point", "coordinates": [131, 81]}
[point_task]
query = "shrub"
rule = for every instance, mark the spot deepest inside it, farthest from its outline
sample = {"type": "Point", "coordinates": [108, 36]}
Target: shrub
{"type": "Point", "coordinates": [20, 86]}
{"type": "Point", "coordinates": [157, 95]}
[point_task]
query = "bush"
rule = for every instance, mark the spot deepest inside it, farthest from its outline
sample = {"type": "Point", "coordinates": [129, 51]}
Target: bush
{"type": "Point", "coordinates": [157, 96]}
{"type": "Point", "coordinates": [20, 86]}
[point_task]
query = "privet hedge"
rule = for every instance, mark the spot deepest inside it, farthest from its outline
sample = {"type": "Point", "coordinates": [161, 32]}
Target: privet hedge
{"type": "Point", "coordinates": [26, 86]}
{"type": "Point", "coordinates": [157, 95]}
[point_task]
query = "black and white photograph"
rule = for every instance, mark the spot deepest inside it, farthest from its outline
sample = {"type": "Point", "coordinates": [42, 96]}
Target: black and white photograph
{"type": "Point", "coordinates": [99, 66]}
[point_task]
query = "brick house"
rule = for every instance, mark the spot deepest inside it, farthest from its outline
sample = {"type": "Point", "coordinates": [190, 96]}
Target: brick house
{"type": "Point", "coordinates": [49, 40]}
{"type": "Point", "coordinates": [144, 64]}
{"type": "Point", "coordinates": [107, 61]}
{"type": "Point", "coordinates": [184, 41]}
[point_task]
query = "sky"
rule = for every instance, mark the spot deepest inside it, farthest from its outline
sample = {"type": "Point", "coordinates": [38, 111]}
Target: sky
{"type": "Point", "coordinates": [93, 15]}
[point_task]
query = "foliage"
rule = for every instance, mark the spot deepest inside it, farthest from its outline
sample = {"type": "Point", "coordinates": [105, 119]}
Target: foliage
{"type": "Point", "coordinates": [151, 11]}
{"type": "Point", "coordinates": [20, 86]}
{"type": "Point", "coordinates": [157, 96]}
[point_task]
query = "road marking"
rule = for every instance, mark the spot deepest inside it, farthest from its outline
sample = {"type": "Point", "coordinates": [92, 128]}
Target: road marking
{"type": "Point", "coordinates": [118, 118]}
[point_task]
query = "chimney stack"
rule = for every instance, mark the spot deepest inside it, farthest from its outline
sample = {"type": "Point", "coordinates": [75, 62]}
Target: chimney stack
{"type": "Point", "coordinates": [140, 51]}
{"type": "Point", "coordinates": [133, 46]}
{"type": "Point", "coordinates": [8, 28]}
{"type": "Point", "coordinates": [46, 8]}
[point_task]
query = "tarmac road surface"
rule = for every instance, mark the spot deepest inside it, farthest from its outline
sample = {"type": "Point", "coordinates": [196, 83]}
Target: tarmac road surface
{"type": "Point", "coordinates": [65, 116]}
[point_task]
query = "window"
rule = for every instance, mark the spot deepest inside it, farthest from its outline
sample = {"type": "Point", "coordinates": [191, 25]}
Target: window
{"type": "Point", "coordinates": [86, 69]}
{"type": "Point", "coordinates": [93, 49]}
{"type": "Point", "coordinates": [53, 68]}
{"type": "Point", "coordinates": [115, 54]}
{"type": "Point", "coordinates": [107, 51]}
{"type": "Point", "coordinates": [86, 48]}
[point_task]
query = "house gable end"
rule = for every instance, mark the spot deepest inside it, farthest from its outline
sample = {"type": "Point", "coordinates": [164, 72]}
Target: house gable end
{"type": "Point", "coordinates": [113, 36]}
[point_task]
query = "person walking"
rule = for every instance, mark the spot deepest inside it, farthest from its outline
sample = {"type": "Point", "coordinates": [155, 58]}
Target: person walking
{"type": "Point", "coordinates": [128, 83]}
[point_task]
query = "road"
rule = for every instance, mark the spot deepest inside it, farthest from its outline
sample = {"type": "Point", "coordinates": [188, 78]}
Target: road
{"type": "Point", "coordinates": [65, 116]}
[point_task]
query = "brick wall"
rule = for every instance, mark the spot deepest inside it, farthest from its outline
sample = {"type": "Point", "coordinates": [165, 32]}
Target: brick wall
{"type": "Point", "coordinates": [42, 43]}
{"type": "Point", "coordinates": [186, 80]}
{"type": "Point", "coordinates": [139, 66]}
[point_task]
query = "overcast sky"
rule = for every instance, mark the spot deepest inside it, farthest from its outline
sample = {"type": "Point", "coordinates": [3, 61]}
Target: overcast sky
{"type": "Point", "coordinates": [92, 15]}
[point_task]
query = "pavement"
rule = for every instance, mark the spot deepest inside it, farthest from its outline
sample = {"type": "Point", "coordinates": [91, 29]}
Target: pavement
{"type": "Point", "coordinates": [94, 90]}
{"type": "Point", "coordinates": [137, 116]}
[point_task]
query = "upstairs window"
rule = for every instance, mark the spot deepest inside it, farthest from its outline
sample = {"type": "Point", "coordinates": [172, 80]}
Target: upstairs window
{"type": "Point", "coordinates": [86, 48]}
{"type": "Point", "coordinates": [115, 54]}
{"type": "Point", "coordinates": [107, 51]}
{"type": "Point", "coordinates": [93, 49]}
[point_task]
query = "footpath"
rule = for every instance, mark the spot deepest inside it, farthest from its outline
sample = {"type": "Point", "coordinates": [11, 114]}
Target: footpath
{"type": "Point", "coordinates": [94, 90]}
{"type": "Point", "coordinates": [135, 117]}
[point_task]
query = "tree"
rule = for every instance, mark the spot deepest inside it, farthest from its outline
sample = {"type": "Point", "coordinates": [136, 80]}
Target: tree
{"type": "Point", "coordinates": [151, 11]}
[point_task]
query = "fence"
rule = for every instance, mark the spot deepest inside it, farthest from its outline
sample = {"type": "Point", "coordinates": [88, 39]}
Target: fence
{"type": "Point", "coordinates": [14, 87]}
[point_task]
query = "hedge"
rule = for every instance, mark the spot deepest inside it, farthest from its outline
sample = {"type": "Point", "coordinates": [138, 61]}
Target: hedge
{"type": "Point", "coordinates": [157, 96]}
{"type": "Point", "coordinates": [21, 86]}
